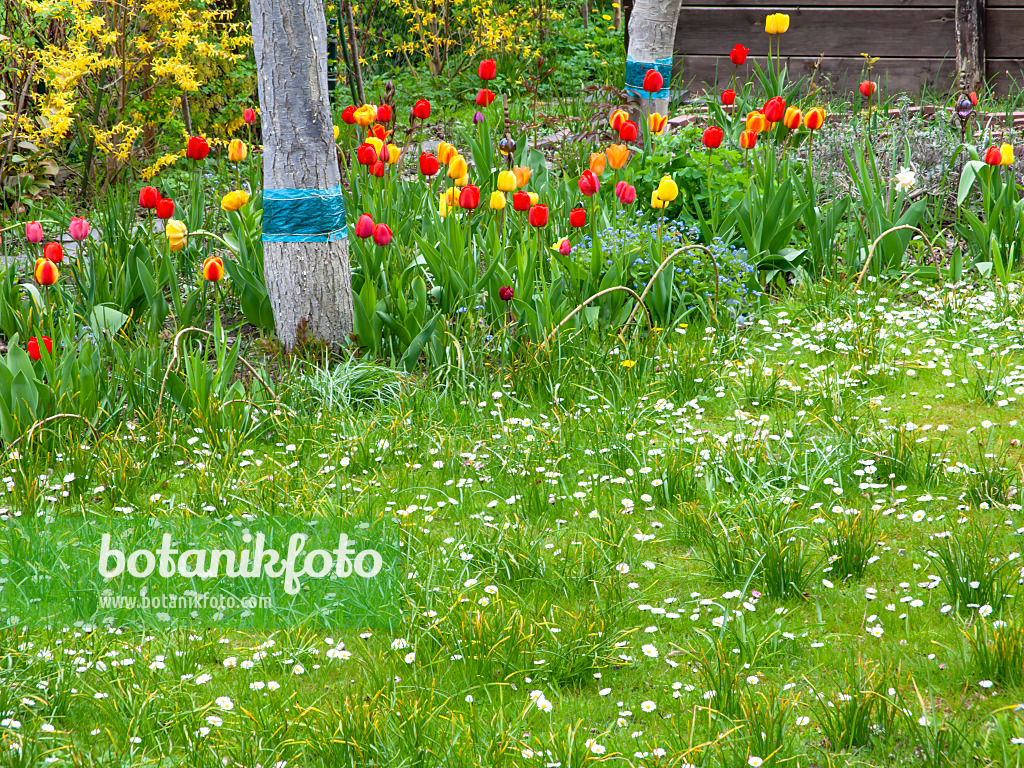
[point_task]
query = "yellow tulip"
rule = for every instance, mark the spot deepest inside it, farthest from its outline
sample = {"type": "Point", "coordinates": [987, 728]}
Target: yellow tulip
{"type": "Point", "coordinates": [534, 198]}
{"type": "Point", "coordinates": [462, 180]}
{"type": "Point", "coordinates": [365, 115]}
{"type": "Point", "coordinates": [498, 201]}
{"type": "Point", "coordinates": [177, 234]}
{"type": "Point", "coordinates": [657, 123]}
{"type": "Point", "coordinates": [506, 182]}
{"type": "Point", "coordinates": [376, 143]}
{"type": "Point", "coordinates": [618, 155]}
{"type": "Point", "coordinates": [597, 162]}
{"type": "Point", "coordinates": [522, 174]}
{"type": "Point", "coordinates": [656, 202]}
{"type": "Point", "coordinates": [776, 23]}
{"type": "Point", "coordinates": [393, 153]}
{"type": "Point", "coordinates": [446, 153]}
{"type": "Point", "coordinates": [1006, 153]}
{"type": "Point", "coordinates": [668, 190]}
{"type": "Point", "coordinates": [232, 201]}
{"type": "Point", "coordinates": [457, 168]}
{"type": "Point", "coordinates": [336, 133]}
{"type": "Point", "coordinates": [237, 151]}
{"type": "Point", "coordinates": [442, 206]}
{"type": "Point", "coordinates": [757, 122]}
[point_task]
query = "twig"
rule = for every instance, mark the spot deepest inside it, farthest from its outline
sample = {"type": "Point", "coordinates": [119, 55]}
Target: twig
{"type": "Point", "coordinates": [664, 263]}
{"type": "Point", "coordinates": [576, 311]}
{"type": "Point", "coordinates": [27, 437]}
{"type": "Point", "coordinates": [871, 250]}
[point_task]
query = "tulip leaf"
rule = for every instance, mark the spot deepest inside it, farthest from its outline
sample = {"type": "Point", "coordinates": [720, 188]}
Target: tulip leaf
{"type": "Point", "coordinates": [106, 319]}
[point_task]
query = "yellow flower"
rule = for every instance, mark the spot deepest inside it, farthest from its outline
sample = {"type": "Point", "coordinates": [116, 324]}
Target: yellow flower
{"type": "Point", "coordinates": [657, 123]}
{"type": "Point", "coordinates": [376, 143]}
{"type": "Point", "coordinates": [446, 153]}
{"type": "Point", "coordinates": [1006, 154]}
{"type": "Point", "coordinates": [177, 234]}
{"type": "Point", "coordinates": [628, 363]}
{"type": "Point", "coordinates": [522, 174]}
{"type": "Point", "coordinates": [776, 23]}
{"type": "Point", "coordinates": [457, 168]}
{"type": "Point", "coordinates": [462, 180]}
{"type": "Point", "coordinates": [534, 198]}
{"type": "Point", "coordinates": [506, 182]}
{"type": "Point", "coordinates": [598, 160]}
{"type": "Point", "coordinates": [336, 133]}
{"type": "Point", "coordinates": [365, 115]}
{"type": "Point", "coordinates": [232, 201]}
{"type": "Point", "coordinates": [657, 202]}
{"type": "Point", "coordinates": [393, 153]}
{"type": "Point", "coordinates": [442, 206]}
{"type": "Point", "coordinates": [668, 190]}
{"type": "Point", "coordinates": [237, 151]}
{"type": "Point", "coordinates": [498, 201]}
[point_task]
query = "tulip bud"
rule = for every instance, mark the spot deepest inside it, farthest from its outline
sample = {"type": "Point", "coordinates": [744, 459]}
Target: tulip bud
{"type": "Point", "coordinates": [656, 202]}
{"type": "Point", "coordinates": [814, 119]}
{"type": "Point", "coordinates": [457, 168]}
{"type": "Point", "coordinates": [366, 154]}
{"type": "Point", "coordinates": [774, 109]}
{"type": "Point", "coordinates": [237, 151]}
{"type": "Point", "coordinates": [446, 152]}
{"type": "Point", "coordinates": [598, 160]}
{"type": "Point", "coordinates": [538, 216]}
{"type": "Point", "coordinates": [46, 272]}
{"type": "Point", "coordinates": [564, 247]}
{"type": "Point", "coordinates": [617, 119]}
{"type": "Point", "coordinates": [521, 201]}
{"type": "Point", "coordinates": [429, 166]}
{"type": "Point", "coordinates": [627, 194]}
{"type": "Point", "coordinates": [534, 197]}
{"type": "Point", "coordinates": [506, 293]}
{"type": "Point", "coordinates": [197, 148]}
{"type": "Point", "coordinates": [588, 183]}
{"type": "Point", "coordinates": [993, 156]}
{"type": "Point", "coordinates": [54, 252]}
{"type": "Point", "coordinates": [867, 88]}
{"type": "Point", "coordinates": [213, 269]}
{"type": "Point", "coordinates": [656, 123]}
{"type": "Point", "coordinates": [748, 139]}
{"type": "Point", "coordinates": [249, 115]}
{"type": "Point", "coordinates": [234, 200]}
{"type": "Point", "coordinates": [506, 181]}
{"type": "Point", "coordinates": [497, 201]}
{"type": "Point", "coordinates": [756, 122]}
{"type": "Point", "coordinates": [148, 197]}
{"type": "Point", "coordinates": [378, 169]}
{"type": "Point", "coordinates": [78, 228]}
{"type": "Point", "coordinates": [728, 96]}
{"type": "Point", "coordinates": [618, 155]}
{"type": "Point", "coordinates": [738, 55]}
{"type": "Point", "coordinates": [653, 81]}
{"type": "Point", "coordinates": [348, 115]}
{"type": "Point", "coordinates": [792, 118]}
{"type": "Point", "coordinates": [34, 232]}
{"type": "Point", "coordinates": [364, 226]}
{"type": "Point", "coordinates": [477, 117]}
{"type": "Point", "coordinates": [1006, 152]}
{"type": "Point", "coordinates": [384, 113]}
{"type": "Point", "coordinates": [33, 347]}
{"type": "Point", "coordinates": [177, 234]}
{"type": "Point", "coordinates": [577, 218]}
{"type": "Point", "coordinates": [421, 109]}
{"type": "Point", "coordinates": [712, 137]}
{"type": "Point", "coordinates": [164, 208]}
{"type": "Point", "coordinates": [382, 235]}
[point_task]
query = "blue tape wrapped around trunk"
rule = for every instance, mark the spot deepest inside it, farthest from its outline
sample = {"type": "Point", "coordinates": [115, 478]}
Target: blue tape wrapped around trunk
{"type": "Point", "coordinates": [635, 71]}
{"type": "Point", "coordinates": [303, 215]}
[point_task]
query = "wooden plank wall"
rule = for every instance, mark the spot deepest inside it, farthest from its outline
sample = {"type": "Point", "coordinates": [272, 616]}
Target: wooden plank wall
{"type": "Point", "coordinates": [915, 40]}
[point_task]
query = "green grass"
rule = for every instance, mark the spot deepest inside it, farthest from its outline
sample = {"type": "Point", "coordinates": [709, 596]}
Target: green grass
{"type": "Point", "coordinates": [747, 544]}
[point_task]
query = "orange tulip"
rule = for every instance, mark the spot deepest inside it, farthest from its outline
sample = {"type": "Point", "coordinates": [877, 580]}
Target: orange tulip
{"type": "Point", "coordinates": [522, 174]}
{"type": "Point", "coordinates": [792, 118]}
{"type": "Point", "coordinates": [213, 269]}
{"type": "Point", "coordinates": [597, 162]}
{"type": "Point", "coordinates": [237, 151]}
{"type": "Point", "coordinates": [618, 155]}
{"type": "Point", "coordinates": [46, 272]}
{"type": "Point", "coordinates": [814, 118]}
{"type": "Point", "coordinates": [757, 122]}
{"type": "Point", "coordinates": [748, 139]}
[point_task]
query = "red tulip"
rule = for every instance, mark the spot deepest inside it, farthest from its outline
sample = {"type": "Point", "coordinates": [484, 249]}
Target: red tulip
{"type": "Point", "coordinates": [867, 88]}
{"type": "Point", "coordinates": [738, 54]}
{"type": "Point", "coordinates": [653, 81]}
{"type": "Point", "coordinates": [520, 201]}
{"type": "Point", "coordinates": [748, 139]}
{"type": "Point", "coordinates": [728, 96]}
{"type": "Point", "coordinates": [992, 156]}
{"type": "Point", "coordinates": [538, 216]}
{"type": "Point", "coordinates": [488, 69]}
{"type": "Point", "coordinates": [197, 148]}
{"type": "Point", "coordinates": [213, 269]}
{"type": "Point", "coordinates": [165, 208]}
{"type": "Point", "coordinates": [577, 217]}
{"type": "Point", "coordinates": [249, 115]}
{"type": "Point", "coordinates": [429, 166]}
{"type": "Point", "coordinates": [625, 192]}
{"type": "Point", "coordinates": [46, 272]}
{"type": "Point", "coordinates": [364, 226]}
{"type": "Point", "coordinates": [469, 198]}
{"type": "Point", "coordinates": [564, 246]}
{"type": "Point", "coordinates": [712, 137]}
{"type": "Point", "coordinates": [348, 115]}
{"type": "Point", "coordinates": [589, 183]}
{"type": "Point", "coordinates": [53, 252]}
{"type": "Point", "coordinates": [628, 131]}
{"type": "Point", "coordinates": [382, 235]}
{"type": "Point", "coordinates": [774, 109]}
{"type": "Point", "coordinates": [485, 98]}
{"type": "Point", "coordinates": [974, 98]}
{"type": "Point", "coordinates": [383, 113]}
{"type": "Point", "coordinates": [506, 293]}
{"type": "Point", "coordinates": [149, 197]}
{"type": "Point", "coordinates": [33, 347]}
{"type": "Point", "coordinates": [366, 154]}
{"type": "Point", "coordinates": [421, 109]}
{"type": "Point", "coordinates": [379, 168]}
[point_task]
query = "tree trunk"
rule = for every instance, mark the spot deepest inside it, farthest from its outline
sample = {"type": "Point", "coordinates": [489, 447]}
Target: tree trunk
{"type": "Point", "coordinates": [652, 34]}
{"type": "Point", "coordinates": [306, 265]}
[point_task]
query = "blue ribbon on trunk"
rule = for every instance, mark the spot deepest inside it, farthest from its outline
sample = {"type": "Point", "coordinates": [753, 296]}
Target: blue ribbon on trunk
{"type": "Point", "coordinates": [303, 215]}
{"type": "Point", "coordinates": [635, 71]}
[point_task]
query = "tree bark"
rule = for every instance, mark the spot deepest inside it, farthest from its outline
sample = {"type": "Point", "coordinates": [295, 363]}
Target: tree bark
{"type": "Point", "coordinates": [970, 43]}
{"type": "Point", "coordinates": [309, 283]}
{"type": "Point", "coordinates": [652, 32]}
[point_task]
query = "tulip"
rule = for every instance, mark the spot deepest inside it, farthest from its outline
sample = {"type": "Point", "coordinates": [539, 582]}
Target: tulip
{"type": "Point", "coordinates": [564, 247]}
{"type": "Point", "coordinates": [618, 155]}
{"type": "Point", "coordinates": [33, 347]}
{"type": "Point", "coordinates": [54, 252]}
{"type": "Point", "coordinates": [505, 293]}
{"type": "Point", "coordinates": [993, 156]}
{"type": "Point", "coordinates": [457, 168]}
{"type": "Point", "coordinates": [628, 131]}
{"type": "Point", "coordinates": [366, 154]}
{"type": "Point", "coordinates": [589, 183]}
{"type": "Point", "coordinates": [534, 197]}
{"type": "Point", "coordinates": [384, 113]}
{"type": "Point", "coordinates": [712, 137]}
{"type": "Point", "coordinates": [429, 166]}
{"type": "Point", "coordinates": [365, 115]}
{"type": "Point", "coordinates": [657, 202]}
{"type": "Point", "coordinates": [738, 55]}
{"type": "Point", "coordinates": [521, 201]}
{"type": "Point", "coordinates": [78, 228]}
{"type": "Point", "coordinates": [477, 117]}
{"type": "Point", "coordinates": [177, 234]}
{"type": "Point", "coordinates": [814, 119]}
{"type": "Point", "coordinates": [506, 181]}
{"type": "Point", "coordinates": [617, 119]}
{"type": "Point", "coordinates": [234, 200]}
{"type": "Point", "coordinates": [668, 190]}
{"type": "Point", "coordinates": [164, 208]}
{"type": "Point", "coordinates": [748, 139]}
{"type": "Point", "coordinates": [577, 218]}
{"type": "Point", "coordinates": [774, 109]}
{"type": "Point", "coordinates": [34, 232]}
{"type": "Point", "coordinates": [197, 148]}
{"type": "Point", "coordinates": [462, 180]}
{"type": "Point", "coordinates": [867, 88]}
{"type": "Point", "coordinates": [538, 216]}
{"type": "Point", "coordinates": [446, 152]}
{"type": "Point", "coordinates": [497, 201]}
{"type": "Point", "coordinates": [442, 206]}
{"type": "Point", "coordinates": [337, 132]}
{"type": "Point", "coordinates": [213, 269]}
{"type": "Point", "coordinates": [1006, 153]}
{"type": "Point", "coordinates": [469, 198]}
{"type": "Point", "coordinates": [728, 96]}
{"type": "Point", "coordinates": [46, 272]}
{"type": "Point", "coordinates": [776, 24]}
{"type": "Point", "coordinates": [756, 122]}
{"type": "Point", "coordinates": [149, 197]}
{"type": "Point", "coordinates": [657, 123]}
{"type": "Point", "coordinates": [792, 118]}
{"type": "Point", "coordinates": [598, 161]}
{"type": "Point", "coordinates": [364, 226]}
{"type": "Point", "coordinates": [484, 97]}
{"type": "Point", "coordinates": [488, 69]}
{"type": "Point", "coordinates": [421, 109]}
{"type": "Point", "coordinates": [249, 115]}
{"type": "Point", "coordinates": [625, 192]}
{"type": "Point", "coordinates": [348, 115]}
{"type": "Point", "coordinates": [522, 174]}
{"type": "Point", "coordinates": [237, 151]}
{"type": "Point", "coordinates": [378, 169]}
{"type": "Point", "coordinates": [393, 152]}
{"type": "Point", "coordinates": [378, 146]}
{"type": "Point", "coordinates": [382, 235]}
{"type": "Point", "coordinates": [653, 81]}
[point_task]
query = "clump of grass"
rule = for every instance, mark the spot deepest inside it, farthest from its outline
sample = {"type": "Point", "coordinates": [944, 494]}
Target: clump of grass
{"type": "Point", "coordinates": [850, 542]}
{"type": "Point", "coordinates": [351, 384]}
{"type": "Point", "coordinates": [998, 650]}
{"type": "Point", "coordinates": [971, 570]}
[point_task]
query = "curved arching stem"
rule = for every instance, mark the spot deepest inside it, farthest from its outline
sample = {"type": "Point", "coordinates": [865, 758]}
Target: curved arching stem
{"type": "Point", "coordinates": [664, 263]}
{"type": "Point", "coordinates": [598, 295]}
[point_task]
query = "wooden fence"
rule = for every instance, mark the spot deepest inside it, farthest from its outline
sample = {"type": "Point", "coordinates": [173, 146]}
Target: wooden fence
{"type": "Point", "coordinates": [939, 44]}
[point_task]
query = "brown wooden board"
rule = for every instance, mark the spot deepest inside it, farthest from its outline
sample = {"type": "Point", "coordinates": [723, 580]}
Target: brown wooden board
{"type": "Point", "coordinates": [1002, 73]}
{"type": "Point", "coordinates": [769, 7]}
{"type": "Point", "coordinates": [922, 32]}
{"type": "Point", "coordinates": [1004, 33]}
{"type": "Point", "coordinates": [838, 73]}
